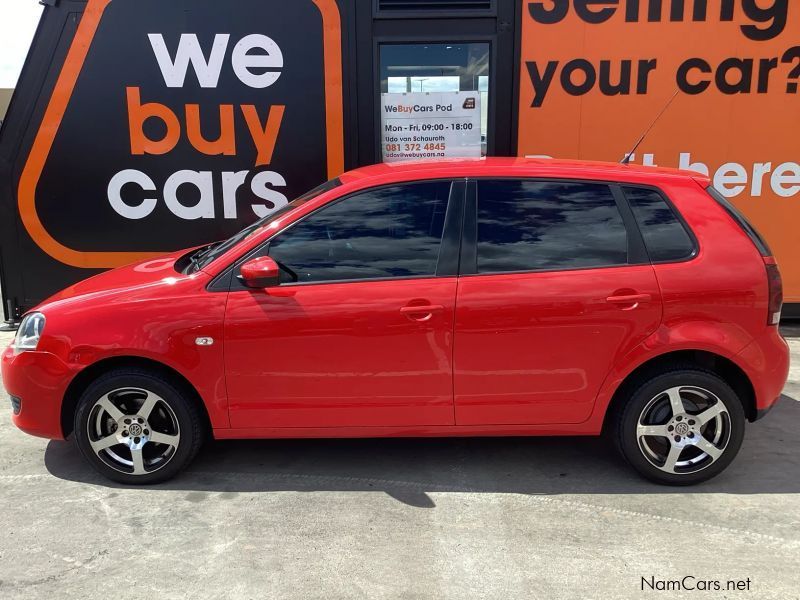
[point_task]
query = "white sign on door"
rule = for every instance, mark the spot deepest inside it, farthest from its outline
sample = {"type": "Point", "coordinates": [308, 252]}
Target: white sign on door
{"type": "Point", "coordinates": [418, 125]}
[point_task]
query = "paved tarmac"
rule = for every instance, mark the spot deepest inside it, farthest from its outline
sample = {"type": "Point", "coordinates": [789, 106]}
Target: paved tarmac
{"type": "Point", "coordinates": [451, 518]}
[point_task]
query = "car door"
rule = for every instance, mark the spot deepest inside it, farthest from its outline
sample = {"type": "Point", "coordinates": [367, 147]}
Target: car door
{"type": "Point", "coordinates": [554, 289]}
{"type": "Point", "coordinates": [360, 331]}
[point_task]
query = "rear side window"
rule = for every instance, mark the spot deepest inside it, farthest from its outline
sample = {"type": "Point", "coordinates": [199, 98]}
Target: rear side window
{"type": "Point", "coordinates": [548, 225]}
{"type": "Point", "coordinates": [751, 232]}
{"type": "Point", "coordinates": [384, 232]}
{"type": "Point", "coordinates": [664, 235]}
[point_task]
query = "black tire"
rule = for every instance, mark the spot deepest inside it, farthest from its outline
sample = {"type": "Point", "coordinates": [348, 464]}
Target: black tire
{"type": "Point", "coordinates": [645, 407]}
{"type": "Point", "coordinates": [172, 416]}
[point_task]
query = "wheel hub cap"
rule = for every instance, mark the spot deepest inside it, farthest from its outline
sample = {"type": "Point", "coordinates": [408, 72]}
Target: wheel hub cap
{"type": "Point", "coordinates": [133, 431]}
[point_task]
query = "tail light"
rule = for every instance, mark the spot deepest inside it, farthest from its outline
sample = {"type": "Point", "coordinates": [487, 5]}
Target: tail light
{"type": "Point", "coordinates": [775, 294]}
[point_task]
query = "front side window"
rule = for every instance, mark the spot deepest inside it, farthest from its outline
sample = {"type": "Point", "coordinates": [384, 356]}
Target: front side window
{"type": "Point", "coordinates": [206, 256]}
{"type": "Point", "coordinates": [664, 235]}
{"type": "Point", "coordinates": [548, 225]}
{"type": "Point", "coordinates": [380, 233]}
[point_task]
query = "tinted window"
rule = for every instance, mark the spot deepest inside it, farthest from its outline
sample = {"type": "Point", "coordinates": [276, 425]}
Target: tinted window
{"type": "Point", "coordinates": [217, 250]}
{"type": "Point", "coordinates": [530, 225]}
{"type": "Point", "coordinates": [664, 235]}
{"type": "Point", "coordinates": [386, 232]}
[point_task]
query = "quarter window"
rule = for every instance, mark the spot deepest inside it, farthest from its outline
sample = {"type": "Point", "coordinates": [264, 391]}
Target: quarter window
{"type": "Point", "coordinates": [384, 232]}
{"type": "Point", "coordinates": [664, 235]}
{"type": "Point", "coordinates": [548, 225]}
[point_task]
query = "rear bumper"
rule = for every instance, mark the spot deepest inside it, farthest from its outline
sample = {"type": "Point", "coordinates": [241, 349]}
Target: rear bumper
{"type": "Point", "coordinates": [766, 360]}
{"type": "Point", "coordinates": [37, 382]}
{"type": "Point", "coordinates": [762, 412]}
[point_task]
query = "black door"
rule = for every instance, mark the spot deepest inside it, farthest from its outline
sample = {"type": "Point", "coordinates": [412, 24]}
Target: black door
{"type": "Point", "coordinates": [436, 47]}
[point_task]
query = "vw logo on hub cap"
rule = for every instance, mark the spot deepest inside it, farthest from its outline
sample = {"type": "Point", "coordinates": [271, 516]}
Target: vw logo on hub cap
{"type": "Point", "coordinates": [135, 429]}
{"type": "Point", "coordinates": [681, 429]}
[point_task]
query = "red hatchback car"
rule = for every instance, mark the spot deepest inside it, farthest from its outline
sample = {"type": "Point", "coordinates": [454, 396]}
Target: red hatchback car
{"type": "Point", "coordinates": [455, 298]}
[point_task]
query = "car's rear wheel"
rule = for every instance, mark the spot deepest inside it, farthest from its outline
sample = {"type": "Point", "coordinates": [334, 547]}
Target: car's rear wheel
{"type": "Point", "coordinates": [137, 427]}
{"type": "Point", "coordinates": [681, 427]}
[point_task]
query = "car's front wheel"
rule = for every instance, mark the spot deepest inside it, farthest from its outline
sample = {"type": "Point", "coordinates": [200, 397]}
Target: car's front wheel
{"type": "Point", "coordinates": [137, 427]}
{"type": "Point", "coordinates": [681, 427]}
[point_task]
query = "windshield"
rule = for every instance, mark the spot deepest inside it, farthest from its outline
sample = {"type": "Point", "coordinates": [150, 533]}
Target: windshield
{"type": "Point", "coordinates": [209, 254]}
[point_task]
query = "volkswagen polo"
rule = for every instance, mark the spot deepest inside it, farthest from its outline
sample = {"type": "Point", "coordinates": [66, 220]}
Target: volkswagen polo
{"type": "Point", "coordinates": [454, 298]}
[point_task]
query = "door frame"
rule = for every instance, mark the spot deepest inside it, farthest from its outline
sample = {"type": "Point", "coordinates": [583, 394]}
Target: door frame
{"type": "Point", "coordinates": [495, 28]}
{"type": "Point", "coordinates": [447, 263]}
{"type": "Point", "coordinates": [491, 40]}
{"type": "Point", "coordinates": [637, 251]}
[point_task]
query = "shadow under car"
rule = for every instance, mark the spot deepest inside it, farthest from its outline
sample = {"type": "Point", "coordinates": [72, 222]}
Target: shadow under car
{"type": "Point", "coordinates": [408, 468]}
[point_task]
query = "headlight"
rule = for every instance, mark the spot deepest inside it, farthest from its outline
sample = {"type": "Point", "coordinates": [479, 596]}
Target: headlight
{"type": "Point", "coordinates": [29, 332]}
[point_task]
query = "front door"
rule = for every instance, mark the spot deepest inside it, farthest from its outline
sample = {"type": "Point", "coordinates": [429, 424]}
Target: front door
{"type": "Point", "coordinates": [549, 301]}
{"type": "Point", "coordinates": [360, 331]}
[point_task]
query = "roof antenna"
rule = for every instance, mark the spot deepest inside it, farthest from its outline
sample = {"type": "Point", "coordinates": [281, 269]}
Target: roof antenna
{"type": "Point", "coordinates": [627, 159]}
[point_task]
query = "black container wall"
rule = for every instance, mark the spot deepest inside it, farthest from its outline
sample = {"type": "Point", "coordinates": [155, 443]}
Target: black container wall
{"type": "Point", "coordinates": [141, 126]}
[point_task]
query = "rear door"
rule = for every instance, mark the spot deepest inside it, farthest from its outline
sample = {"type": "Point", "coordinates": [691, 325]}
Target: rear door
{"type": "Point", "coordinates": [555, 287]}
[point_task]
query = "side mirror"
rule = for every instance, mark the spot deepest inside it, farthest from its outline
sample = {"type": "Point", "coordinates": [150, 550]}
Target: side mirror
{"type": "Point", "coordinates": [261, 272]}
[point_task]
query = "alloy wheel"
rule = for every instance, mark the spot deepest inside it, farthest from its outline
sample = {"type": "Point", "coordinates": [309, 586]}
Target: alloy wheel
{"type": "Point", "coordinates": [133, 431]}
{"type": "Point", "coordinates": [683, 429]}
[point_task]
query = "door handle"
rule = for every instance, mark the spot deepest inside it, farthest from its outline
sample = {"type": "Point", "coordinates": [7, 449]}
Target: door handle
{"type": "Point", "coordinates": [629, 299]}
{"type": "Point", "coordinates": [422, 312]}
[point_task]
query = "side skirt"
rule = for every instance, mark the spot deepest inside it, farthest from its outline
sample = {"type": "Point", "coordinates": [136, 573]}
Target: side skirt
{"type": "Point", "coordinates": [429, 431]}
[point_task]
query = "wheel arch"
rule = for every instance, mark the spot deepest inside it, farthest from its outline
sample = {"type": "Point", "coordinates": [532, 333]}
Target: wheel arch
{"type": "Point", "coordinates": [86, 376]}
{"type": "Point", "coordinates": [722, 366]}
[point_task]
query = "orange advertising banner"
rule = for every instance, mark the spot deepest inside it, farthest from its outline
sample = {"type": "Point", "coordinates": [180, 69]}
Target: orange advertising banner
{"type": "Point", "coordinates": [595, 73]}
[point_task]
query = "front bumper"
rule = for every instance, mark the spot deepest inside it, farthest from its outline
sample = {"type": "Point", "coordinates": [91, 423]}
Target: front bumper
{"type": "Point", "coordinates": [37, 380]}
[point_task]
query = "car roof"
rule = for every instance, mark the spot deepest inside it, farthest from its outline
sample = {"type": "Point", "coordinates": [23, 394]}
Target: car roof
{"type": "Point", "coordinates": [526, 166]}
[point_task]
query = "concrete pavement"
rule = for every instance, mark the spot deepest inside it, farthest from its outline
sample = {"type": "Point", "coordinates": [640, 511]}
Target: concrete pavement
{"type": "Point", "coordinates": [453, 518]}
